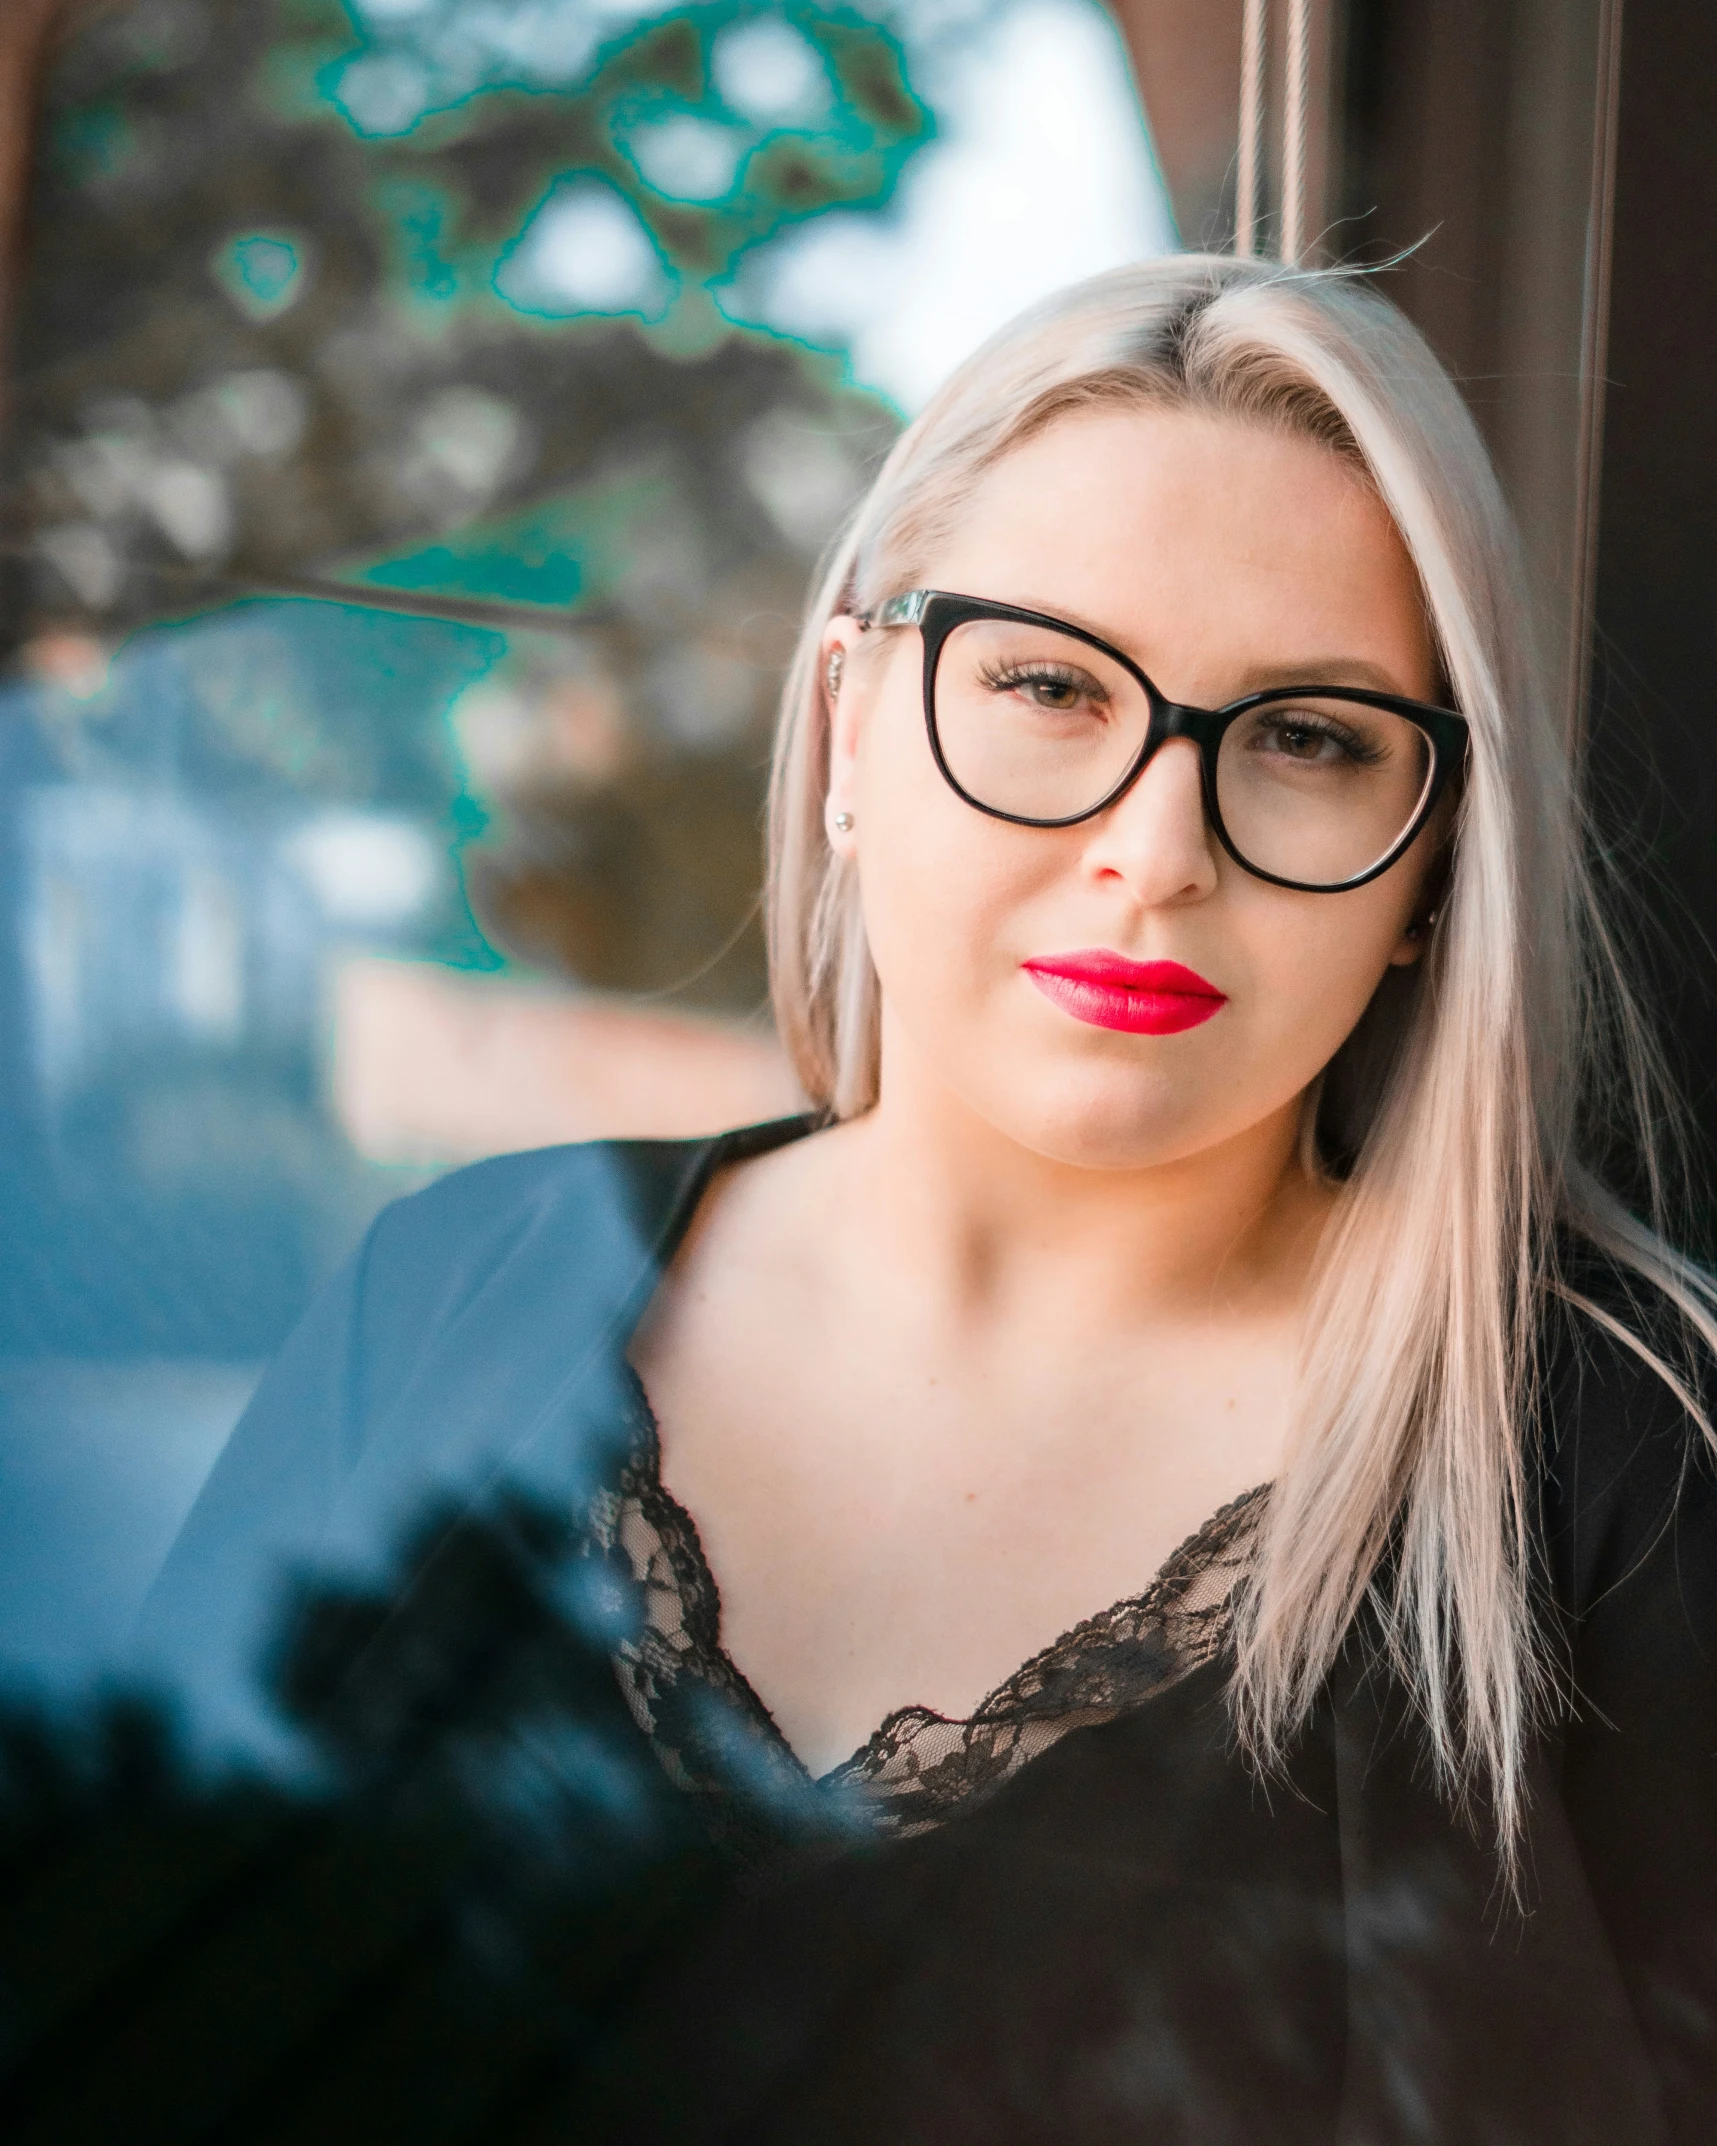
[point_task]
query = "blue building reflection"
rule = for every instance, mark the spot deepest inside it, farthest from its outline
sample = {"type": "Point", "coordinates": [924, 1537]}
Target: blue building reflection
{"type": "Point", "coordinates": [191, 840]}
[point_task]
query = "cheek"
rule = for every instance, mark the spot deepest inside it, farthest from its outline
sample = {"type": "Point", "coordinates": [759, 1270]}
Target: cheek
{"type": "Point", "coordinates": [1310, 965]}
{"type": "Point", "coordinates": [939, 880]}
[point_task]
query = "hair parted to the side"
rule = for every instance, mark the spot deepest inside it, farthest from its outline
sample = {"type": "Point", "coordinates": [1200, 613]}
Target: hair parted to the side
{"type": "Point", "coordinates": [1450, 1116]}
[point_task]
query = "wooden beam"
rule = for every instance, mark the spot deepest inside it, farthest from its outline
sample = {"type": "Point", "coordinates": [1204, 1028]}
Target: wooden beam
{"type": "Point", "coordinates": [1186, 59]}
{"type": "Point", "coordinates": [1481, 137]}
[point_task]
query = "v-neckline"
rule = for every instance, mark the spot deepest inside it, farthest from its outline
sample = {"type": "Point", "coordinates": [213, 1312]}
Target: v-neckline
{"type": "Point", "coordinates": [648, 1449]}
{"type": "Point", "coordinates": [741, 1145]}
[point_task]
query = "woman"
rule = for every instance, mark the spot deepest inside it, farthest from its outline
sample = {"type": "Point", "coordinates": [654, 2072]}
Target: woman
{"type": "Point", "coordinates": [1187, 1286]}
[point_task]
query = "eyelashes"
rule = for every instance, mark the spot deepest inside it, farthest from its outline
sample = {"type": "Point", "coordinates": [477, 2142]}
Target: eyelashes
{"type": "Point", "coordinates": [1012, 677]}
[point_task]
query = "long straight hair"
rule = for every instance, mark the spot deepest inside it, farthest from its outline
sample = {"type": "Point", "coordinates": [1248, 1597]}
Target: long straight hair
{"type": "Point", "coordinates": [1449, 1118]}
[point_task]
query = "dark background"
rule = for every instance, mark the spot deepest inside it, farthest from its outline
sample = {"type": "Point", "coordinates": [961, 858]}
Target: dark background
{"type": "Point", "coordinates": [1651, 732]}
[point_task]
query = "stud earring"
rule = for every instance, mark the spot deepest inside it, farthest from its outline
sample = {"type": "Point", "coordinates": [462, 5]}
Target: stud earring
{"type": "Point", "coordinates": [1420, 928]}
{"type": "Point", "coordinates": [837, 663]}
{"type": "Point", "coordinates": [842, 822]}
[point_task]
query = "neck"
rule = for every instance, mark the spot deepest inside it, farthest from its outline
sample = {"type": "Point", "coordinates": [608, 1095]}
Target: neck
{"type": "Point", "coordinates": [992, 1224]}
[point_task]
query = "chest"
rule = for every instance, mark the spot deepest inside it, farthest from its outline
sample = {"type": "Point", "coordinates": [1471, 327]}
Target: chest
{"type": "Point", "coordinates": [903, 1520]}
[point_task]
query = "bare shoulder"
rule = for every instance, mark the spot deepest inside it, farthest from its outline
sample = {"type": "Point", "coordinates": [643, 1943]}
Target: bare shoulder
{"type": "Point", "coordinates": [758, 1247]}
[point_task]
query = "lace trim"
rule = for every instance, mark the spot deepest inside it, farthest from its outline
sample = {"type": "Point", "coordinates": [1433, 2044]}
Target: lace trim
{"type": "Point", "coordinates": [703, 1718]}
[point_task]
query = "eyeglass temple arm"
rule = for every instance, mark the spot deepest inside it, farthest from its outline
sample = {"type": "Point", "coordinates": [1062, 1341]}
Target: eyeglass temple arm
{"type": "Point", "coordinates": [907, 610]}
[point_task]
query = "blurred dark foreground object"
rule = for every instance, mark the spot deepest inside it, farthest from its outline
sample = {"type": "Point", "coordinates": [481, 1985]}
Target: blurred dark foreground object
{"type": "Point", "coordinates": [425, 1944]}
{"type": "Point", "coordinates": [493, 1918]}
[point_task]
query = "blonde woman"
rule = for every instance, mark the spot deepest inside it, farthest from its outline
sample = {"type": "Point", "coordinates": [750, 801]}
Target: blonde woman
{"type": "Point", "coordinates": [1176, 1439]}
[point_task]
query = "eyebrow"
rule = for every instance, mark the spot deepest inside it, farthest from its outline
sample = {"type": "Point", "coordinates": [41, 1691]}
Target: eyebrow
{"type": "Point", "coordinates": [1322, 671]}
{"type": "Point", "coordinates": [1258, 678]}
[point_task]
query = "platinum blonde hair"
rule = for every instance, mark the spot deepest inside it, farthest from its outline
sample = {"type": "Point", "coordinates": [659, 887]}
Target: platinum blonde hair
{"type": "Point", "coordinates": [1449, 1117]}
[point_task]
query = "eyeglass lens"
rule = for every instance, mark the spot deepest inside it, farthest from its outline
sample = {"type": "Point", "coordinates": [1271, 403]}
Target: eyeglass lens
{"type": "Point", "coordinates": [1040, 725]}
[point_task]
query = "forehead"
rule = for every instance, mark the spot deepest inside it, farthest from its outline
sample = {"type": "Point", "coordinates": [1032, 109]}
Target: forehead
{"type": "Point", "coordinates": [1195, 539]}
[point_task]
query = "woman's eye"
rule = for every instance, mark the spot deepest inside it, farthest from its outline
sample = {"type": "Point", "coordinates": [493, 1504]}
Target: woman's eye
{"type": "Point", "coordinates": [1301, 741]}
{"type": "Point", "coordinates": [1306, 741]}
{"type": "Point", "coordinates": [1052, 691]}
{"type": "Point", "coordinates": [1058, 693]}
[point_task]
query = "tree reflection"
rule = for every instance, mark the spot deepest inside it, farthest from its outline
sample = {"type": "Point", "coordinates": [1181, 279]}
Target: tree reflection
{"type": "Point", "coordinates": [429, 1937]}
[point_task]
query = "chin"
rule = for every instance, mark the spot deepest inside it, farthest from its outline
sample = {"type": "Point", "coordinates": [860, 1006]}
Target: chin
{"type": "Point", "coordinates": [1103, 1119]}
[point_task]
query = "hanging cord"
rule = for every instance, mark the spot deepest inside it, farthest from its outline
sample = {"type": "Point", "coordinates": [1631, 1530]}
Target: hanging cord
{"type": "Point", "coordinates": [1249, 207]}
{"type": "Point", "coordinates": [1594, 348]}
{"type": "Point", "coordinates": [1298, 72]}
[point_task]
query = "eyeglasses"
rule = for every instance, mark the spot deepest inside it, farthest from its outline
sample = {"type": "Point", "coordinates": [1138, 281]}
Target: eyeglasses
{"type": "Point", "coordinates": [1031, 720]}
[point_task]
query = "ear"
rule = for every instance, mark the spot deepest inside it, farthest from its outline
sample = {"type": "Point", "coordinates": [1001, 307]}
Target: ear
{"type": "Point", "coordinates": [844, 705]}
{"type": "Point", "coordinates": [1411, 945]}
{"type": "Point", "coordinates": [1432, 893]}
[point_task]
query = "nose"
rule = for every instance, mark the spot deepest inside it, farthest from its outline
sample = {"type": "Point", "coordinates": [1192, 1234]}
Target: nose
{"type": "Point", "coordinates": [1156, 837]}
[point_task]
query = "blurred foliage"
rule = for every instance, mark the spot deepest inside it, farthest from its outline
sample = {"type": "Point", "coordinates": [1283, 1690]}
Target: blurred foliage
{"type": "Point", "coordinates": [418, 298]}
{"type": "Point", "coordinates": [420, 303]}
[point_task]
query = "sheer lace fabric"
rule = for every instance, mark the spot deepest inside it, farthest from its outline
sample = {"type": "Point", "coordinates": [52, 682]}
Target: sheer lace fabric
{"type": "Point", "coordinates": [708, 1727]}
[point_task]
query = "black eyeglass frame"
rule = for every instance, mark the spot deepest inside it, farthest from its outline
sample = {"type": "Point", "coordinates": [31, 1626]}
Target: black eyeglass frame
{"type": "Point", "coordinates": [937, 612]}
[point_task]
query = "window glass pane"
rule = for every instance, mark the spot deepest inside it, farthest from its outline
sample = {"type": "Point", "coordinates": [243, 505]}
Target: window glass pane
{"type": "Point", "coordinates": [424, 417]}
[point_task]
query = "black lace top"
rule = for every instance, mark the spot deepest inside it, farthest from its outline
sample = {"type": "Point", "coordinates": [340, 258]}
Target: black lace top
{"type": "Point", "coordinates": [689, 1697]}
{"type": "Point", "coordinates": [1133, 1937]}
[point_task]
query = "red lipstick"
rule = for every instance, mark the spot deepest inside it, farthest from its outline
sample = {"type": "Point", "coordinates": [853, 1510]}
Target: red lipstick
{"type": "Point", "coordinates": [1146, 998]}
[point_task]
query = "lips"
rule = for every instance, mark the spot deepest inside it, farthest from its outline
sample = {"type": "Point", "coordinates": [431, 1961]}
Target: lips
{"type": "Point", "coordinates": [1145, 998]}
